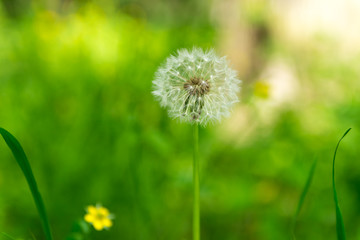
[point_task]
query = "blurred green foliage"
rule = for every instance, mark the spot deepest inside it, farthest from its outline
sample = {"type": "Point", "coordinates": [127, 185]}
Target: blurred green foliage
{"type": "Point", "coordinates": [76, 92]}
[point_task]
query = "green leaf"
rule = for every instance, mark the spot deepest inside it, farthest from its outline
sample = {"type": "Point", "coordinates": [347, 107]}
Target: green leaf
{"type": "Point", "coordinates": [24, 164]}
{"type": "Point", "coordinates": [302, 196]}
{"type": "Point", "coordinates": [340, 229]}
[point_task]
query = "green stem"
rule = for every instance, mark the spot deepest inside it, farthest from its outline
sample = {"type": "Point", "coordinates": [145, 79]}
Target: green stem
{"type": "Point", "coordinates": [196, 206]}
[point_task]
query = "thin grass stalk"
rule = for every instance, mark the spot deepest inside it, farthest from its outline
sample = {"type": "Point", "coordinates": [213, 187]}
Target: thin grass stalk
{"type": "Point", "coordinates": [24, 164]}
{"type": "Point", "coordinates": [8, 236]}
{"type": "Point", "coordinates": [302, 197]}
{"type": "Point", "coordinates": [340, 228]}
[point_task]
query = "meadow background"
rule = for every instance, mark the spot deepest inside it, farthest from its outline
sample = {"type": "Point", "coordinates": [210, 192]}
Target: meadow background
{"type": "Point", "coordinates": [75, 89]}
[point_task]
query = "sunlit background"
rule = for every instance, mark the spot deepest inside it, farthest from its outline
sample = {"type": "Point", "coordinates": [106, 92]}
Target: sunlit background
{"type": "Point", "coordinates": [75, 89]}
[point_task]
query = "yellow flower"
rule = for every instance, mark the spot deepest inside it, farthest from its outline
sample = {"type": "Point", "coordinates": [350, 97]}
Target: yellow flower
{"type": "Point", "coordinates": [99, 217]}
{"type": "Point", "coordinates": [262, 89]}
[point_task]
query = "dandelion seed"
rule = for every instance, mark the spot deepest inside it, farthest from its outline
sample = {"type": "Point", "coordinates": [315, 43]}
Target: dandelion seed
{"type": "Point", "coordinates": [99, 217]}
{"type": "Point", "coordinates": [203, 84]}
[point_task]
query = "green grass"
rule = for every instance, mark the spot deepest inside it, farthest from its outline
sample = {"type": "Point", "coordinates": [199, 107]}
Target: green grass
{"type": "Point", "coordinates": [340, 229]}
{"type": "Point", "coordinates": [24, 164]}
{"type": "Point", "coordinates": [76, 87]}
{"type": "Point", "coordinates": [7, 236]}
{"type": "Point", "coordinates": [302, 197]}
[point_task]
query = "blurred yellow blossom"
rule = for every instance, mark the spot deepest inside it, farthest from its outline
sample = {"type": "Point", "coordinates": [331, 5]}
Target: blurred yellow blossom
{"type": "Point", "coordinates": [99, 217]}
{"type": "Point", "coordinates": [262, 89]}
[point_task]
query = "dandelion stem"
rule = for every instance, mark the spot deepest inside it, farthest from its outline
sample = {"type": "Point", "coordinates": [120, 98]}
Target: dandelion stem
{"type": "Point", "coordinates": [196, 206]}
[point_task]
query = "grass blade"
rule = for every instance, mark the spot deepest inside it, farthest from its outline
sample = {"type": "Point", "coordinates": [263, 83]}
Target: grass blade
{"type": "Point", "coordinates": [24, 164]}
{"type": "Point", "coordinates": [302, 196]}
{"type": "Point", "coordinates": [340, 229]}
{"type": "Point", "coordinates": [7, 236]}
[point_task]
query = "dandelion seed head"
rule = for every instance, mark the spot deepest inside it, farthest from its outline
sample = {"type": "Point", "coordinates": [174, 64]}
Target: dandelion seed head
{"type": "Point", "coordinates": [196, 86]}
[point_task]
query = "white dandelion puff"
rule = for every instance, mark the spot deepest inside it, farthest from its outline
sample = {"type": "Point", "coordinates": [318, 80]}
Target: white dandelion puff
{"type": "Point", "coordinates": [196, 86]}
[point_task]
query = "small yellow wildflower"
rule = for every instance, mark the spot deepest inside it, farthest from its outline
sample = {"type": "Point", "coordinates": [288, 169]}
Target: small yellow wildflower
{"type": "Point", "coordinates": [99, 217]}
{"type": "Point", "coordinates": [262, 89]}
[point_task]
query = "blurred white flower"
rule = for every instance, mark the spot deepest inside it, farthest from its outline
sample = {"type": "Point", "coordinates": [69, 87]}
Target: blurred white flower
{"type": "Point", "coordinates": [196, 86]}
{"type": "Point", "coordinates": [307, 20]}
